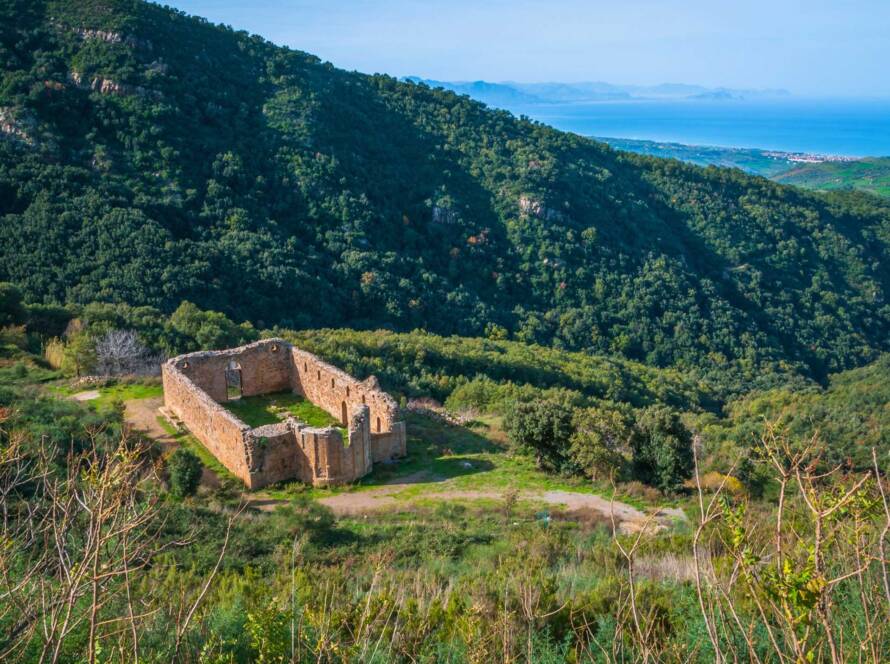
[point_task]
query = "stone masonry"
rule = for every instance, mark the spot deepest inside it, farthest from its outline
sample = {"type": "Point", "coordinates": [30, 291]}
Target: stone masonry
{"type": "Point", "coordinates": [196, 384]}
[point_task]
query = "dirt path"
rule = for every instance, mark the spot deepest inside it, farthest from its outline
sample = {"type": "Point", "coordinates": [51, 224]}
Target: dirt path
{"type": "Point", "coordinates": [89, 395]}
{"type": "Point", "coordinates": [629, 518]}
{"type": "Point", "coordinates": [142, 415]}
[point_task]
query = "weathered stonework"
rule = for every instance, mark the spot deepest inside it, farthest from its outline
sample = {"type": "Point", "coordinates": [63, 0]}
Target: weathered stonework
{"type": "Point", "coordinates": [195, 386]}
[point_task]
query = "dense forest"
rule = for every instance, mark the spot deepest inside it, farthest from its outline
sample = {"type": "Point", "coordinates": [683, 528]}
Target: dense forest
{"type": "Point", "coordinates": [148, 157]}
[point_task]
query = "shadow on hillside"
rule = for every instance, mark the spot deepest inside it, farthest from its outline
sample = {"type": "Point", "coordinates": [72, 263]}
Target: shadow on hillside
{"type": "Point", "coordinates": [437, 451]}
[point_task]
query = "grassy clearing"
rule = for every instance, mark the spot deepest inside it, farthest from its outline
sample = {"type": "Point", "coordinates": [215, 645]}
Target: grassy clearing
{"type": "Point", "coordinates": [443, 457]}
{"type": "Point", "coordinates": [112, 391]}
{"type": "Point", "coordinates": [110, 394]}
{"type": "Point", "coordinates": [271, 408]}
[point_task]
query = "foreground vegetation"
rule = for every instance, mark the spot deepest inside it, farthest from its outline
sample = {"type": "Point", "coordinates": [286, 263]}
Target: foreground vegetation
{"type": "Point", "coordinates": [629, 325]}
{"type": "Point", "coordinates": [169, 571]}
{"type": "Point", "coordinates": [135, 571]}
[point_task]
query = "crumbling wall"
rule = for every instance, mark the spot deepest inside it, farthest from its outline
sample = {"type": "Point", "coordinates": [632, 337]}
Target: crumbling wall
{"type": "Point", "coordinates": [391, 444]}
{"type": "Point", "coordinates": [218, 430]}
{"type": "Point", "coordinates": [275, 456]}
{"type": "Point", "coordinates": [330, 388]}
{"type": "Point", "coordinates": [195, 384]}
{"type": "Point", "coordinates": [265, 367]}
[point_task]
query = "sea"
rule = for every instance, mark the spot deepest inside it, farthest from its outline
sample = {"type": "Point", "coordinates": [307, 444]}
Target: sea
{"type": "Point", "coordinates": [856, 128]}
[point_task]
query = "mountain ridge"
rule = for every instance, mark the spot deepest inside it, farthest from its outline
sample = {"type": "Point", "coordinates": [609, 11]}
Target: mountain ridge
{"type": "Point", "coordinates": [512, 92]}
{"type": "Point", "coordinates": [150, 157]}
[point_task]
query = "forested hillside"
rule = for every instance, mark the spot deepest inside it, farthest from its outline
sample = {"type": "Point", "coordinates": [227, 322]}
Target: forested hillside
{"type": "Point", "coordinates": [149, 157]}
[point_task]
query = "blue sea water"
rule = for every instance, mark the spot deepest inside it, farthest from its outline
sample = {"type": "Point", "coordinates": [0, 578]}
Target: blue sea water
{"type": "Point", "coordinates": [833, 126]}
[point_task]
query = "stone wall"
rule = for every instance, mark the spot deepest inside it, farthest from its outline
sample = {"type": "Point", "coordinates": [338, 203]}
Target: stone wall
{"type": "Point", "coordinates": [337, 392]}
{"type": "Point", "coordinates": [272, 455]}
{"type": "Point", "coordinates": [265, 367]}
{"type": "Point", "coordinates": [218, 430]}
{"type": "Point", "coordinates": [195, 383]}
{"type": "Point", "coordinates": [389, 445]}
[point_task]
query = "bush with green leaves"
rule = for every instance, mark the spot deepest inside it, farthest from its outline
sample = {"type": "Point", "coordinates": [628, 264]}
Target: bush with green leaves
{"type": "Point", "coordinates": [661, 446]}
{"type": "Point", "coordinates": [79, 356]}
{"type": "Point", "coordinates": [184, 472]}
{"type": "Point", "coordinates": [544, 429]}
{"type": "Point", "coordinates": [601, 435]}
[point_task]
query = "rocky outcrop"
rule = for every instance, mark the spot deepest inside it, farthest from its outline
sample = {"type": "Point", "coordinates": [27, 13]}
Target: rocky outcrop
{"type": "Point", "coordinates": [107, 86]}
{"type": "Point", "coordinates": [17, 125]}
{"type": "Point", "coordinates": [114, 38]}
{"type": "Point", "coordinates": [535, 208]}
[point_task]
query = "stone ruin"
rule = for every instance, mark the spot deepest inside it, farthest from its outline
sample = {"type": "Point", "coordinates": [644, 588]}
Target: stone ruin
{"type": "Point", "coordinates": [196, 384]}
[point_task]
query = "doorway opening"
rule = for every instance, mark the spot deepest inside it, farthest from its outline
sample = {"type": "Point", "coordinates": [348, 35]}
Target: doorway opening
{"type": "Point", "coordinates": [233, 381]}
{"type": "Point", "coordinates": [343, 414]}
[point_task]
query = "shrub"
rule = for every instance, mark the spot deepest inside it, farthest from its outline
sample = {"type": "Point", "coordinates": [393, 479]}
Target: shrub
{"type": "Point", "coordinates": [713, 481]}
{"type": "Point", "coordinates": [184, 472]}
{"type": "Point", "coordinates": [14, 335]}
{"type": "Point", "coordinates": [12, 312]}
{"type": "Point", "coordinates": [662, 448]}
{"type": "Point", "coordinates": [79, 356]}
{"type": "Point", "coordinates": [544, 429]}
{"type": "Point", "coordinates": [47, 320]}
{"type": "Point", "coordinates": [54, 353]}
{"type": "Point", "coordinates": [600, 435]}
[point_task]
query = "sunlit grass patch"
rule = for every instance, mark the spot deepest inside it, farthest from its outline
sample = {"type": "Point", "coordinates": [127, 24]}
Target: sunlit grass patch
{"type": "Point", "coordinates": [264, 409]}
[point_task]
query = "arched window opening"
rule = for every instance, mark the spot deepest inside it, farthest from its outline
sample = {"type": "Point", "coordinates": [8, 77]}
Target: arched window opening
{"type": "Point", "coordinates": [378, 425]}
{"type": "Point", "coordinates": [347, 390]}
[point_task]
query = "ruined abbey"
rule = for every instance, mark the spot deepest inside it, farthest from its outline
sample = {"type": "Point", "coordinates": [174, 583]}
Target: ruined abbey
{"type": "Point", "coordinates": [196, 384]}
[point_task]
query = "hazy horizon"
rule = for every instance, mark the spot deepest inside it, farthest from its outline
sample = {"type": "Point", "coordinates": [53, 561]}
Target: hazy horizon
{"type": "Point", "coordinates": [815, 49]}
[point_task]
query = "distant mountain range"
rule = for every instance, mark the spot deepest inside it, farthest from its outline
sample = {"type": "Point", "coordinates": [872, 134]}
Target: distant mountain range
{"type": "Point", "coordinates": [510, 93]}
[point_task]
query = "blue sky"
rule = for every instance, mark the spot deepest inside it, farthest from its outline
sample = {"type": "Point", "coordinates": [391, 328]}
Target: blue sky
{"type": "Point", "coordinates": [811, 47]}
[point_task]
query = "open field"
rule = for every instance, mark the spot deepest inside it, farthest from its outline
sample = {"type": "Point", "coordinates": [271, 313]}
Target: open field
{"type": "Point", "coordinates": [872, 175]}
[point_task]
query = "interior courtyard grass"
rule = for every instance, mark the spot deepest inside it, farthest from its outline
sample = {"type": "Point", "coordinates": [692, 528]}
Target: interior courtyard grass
{"type": "Point", "coordinates": [264, 409]}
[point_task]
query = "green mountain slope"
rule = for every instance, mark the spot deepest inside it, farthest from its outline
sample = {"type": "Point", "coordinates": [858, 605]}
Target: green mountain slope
{"type": "Point", "coordinates": [872, 175]}
{"type": "Point", "coordinates": [149, 157]}
{"type": "Point", "coordinates": [851, 416]}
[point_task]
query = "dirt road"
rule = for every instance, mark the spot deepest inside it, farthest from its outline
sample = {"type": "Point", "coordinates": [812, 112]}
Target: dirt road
{"type": "Point", "coordinates": [628, 517]}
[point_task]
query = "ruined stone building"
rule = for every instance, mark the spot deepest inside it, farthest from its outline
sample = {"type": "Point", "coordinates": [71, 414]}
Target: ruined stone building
{"type": "Point", "coordinates": [196, 384]}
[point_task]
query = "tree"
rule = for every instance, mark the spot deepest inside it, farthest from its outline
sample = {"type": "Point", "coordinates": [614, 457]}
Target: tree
{"type": "Point", "coordinates": [662, 448]}
{"type": "Point", "coordinates": [209, 329]}
{"type": "Point", "coordinates": [80, 355]}
{"type": "Point", "coordinates": [121, 352]}
{"type": "Point", "coordinates": [599, 437]}
{"type": "Point", "coordinates": [184, 472]}
{"type": "Point", "coordinates": [12, 311]}
{"type": "Point", "coordinates": [543, 428]}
